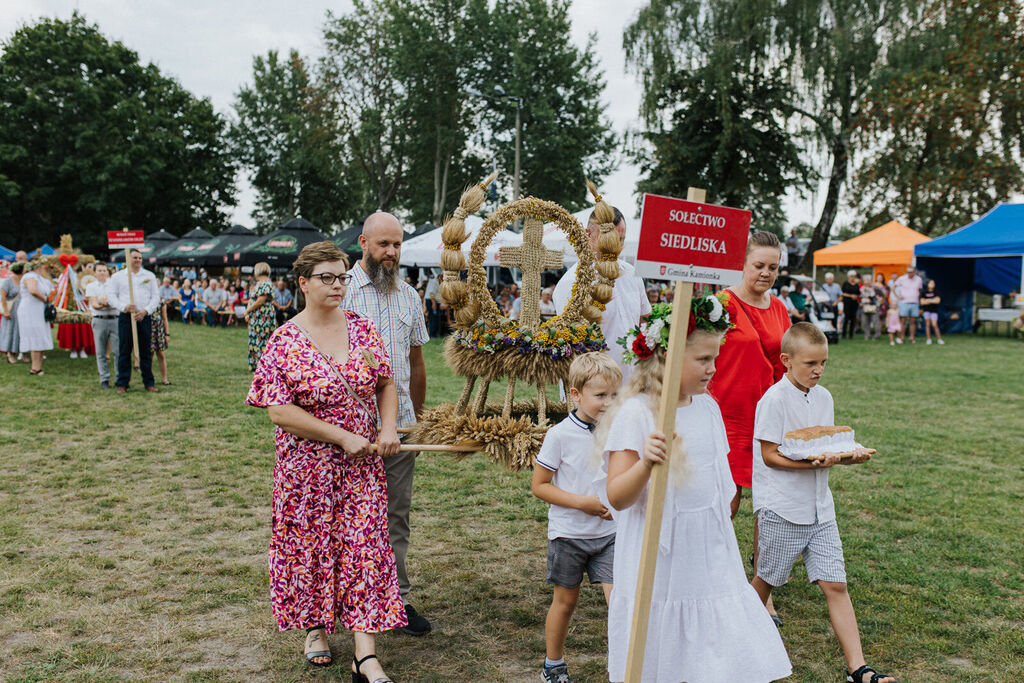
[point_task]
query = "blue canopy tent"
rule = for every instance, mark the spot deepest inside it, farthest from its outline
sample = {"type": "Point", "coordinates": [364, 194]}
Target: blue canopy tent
{"type": "Point", "coordinates": [6, 254]}
{"type": "Point", "coordinates": [45, 250]}
{"type": "Point", "coordinates": [986, 255]}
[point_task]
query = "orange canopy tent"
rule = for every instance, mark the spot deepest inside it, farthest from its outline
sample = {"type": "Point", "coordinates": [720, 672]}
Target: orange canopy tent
{"type": "Point", "coordinates": [889, 249]}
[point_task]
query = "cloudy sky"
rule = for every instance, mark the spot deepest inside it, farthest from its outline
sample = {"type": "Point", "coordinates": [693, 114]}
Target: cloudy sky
{"type": "Point", "coordinates": [208, 46]}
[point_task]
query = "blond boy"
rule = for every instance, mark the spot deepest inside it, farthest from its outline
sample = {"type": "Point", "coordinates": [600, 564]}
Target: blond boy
{"type": "Point", "coordinates": [793, 503]}
{"type": "Point", "coordinates": [581, 533]}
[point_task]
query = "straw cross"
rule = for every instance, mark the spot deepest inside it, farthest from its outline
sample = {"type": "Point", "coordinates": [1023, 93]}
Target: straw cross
{"type": "Point", "coordinates": [532, 257]}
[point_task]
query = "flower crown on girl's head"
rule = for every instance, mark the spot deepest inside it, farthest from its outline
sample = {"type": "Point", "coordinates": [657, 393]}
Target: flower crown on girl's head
{"type": "Point", "coordinates": [706, 313]}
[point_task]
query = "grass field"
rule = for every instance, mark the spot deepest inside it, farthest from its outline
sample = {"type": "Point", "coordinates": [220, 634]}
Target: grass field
{"type": "Point", "coordinates": [133, 530]}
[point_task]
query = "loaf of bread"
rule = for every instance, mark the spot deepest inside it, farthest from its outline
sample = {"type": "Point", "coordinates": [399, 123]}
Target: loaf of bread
{"type": "Point", "coordinates": [810, 442]}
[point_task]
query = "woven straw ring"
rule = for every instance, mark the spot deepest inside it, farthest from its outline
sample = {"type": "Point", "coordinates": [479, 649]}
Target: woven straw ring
{"type": "Point", "coordinates": [548, 212]}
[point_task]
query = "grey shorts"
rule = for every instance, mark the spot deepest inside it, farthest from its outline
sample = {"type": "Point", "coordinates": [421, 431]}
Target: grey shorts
{"type": "Point", "coordinates": [781, 542]}
{"type": "Point", "coordinates": [569, 557]}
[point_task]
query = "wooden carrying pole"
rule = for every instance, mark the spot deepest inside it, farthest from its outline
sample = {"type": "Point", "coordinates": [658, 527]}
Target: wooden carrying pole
{"type": "Point", "coordinates": [131, 300]}
{"type": "Point", "coordinates": [659, 474]}
{"type": "Point", "coordinates": [433, 447]}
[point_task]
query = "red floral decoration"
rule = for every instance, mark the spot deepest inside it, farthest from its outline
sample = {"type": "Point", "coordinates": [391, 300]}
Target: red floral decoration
{"type": "Point", "coordinates": [693, 323]}
{"type": "Point", "coordinates": [640, 347]}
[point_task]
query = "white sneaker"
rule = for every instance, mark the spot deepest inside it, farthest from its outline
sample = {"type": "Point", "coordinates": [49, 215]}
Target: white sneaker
{"type": "Point", "coordinates": [899, 341]}
{"type": "Point", "coordinates": [892, 343]}
{"type": "Point", "coordinates": [74, 354]}
{"type": "Point", "coordinates": [942, 343]}
{"type": "Point", "coordinates": [928, 343]}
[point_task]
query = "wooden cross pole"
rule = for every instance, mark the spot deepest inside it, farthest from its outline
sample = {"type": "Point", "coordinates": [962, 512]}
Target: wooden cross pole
{"type": "Point", "coordinates": [532, 257]}
{"type": "Point", "coordinates": [659, 474]}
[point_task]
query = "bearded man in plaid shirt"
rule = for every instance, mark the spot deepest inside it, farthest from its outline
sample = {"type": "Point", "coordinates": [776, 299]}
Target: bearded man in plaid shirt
{"type": "Point", "coordinates": [377, 292]}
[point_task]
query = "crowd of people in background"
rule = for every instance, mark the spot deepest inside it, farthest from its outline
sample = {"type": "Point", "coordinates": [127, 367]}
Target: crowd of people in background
{"type": "Point", "coordinates": [872, 307]}
{"type": "Point", "coordinates": [866, 306]}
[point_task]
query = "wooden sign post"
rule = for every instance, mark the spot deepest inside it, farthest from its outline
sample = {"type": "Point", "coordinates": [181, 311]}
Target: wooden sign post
{"type": "Point", "coordinates": [128, 240]}
{"type": "Point", "coordinates": [687, 242]}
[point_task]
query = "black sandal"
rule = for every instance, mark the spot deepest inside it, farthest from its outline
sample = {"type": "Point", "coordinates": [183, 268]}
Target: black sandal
{"type": "Point", "coordinates": [858, 675]}
{"type": "Point", "coordinates": [310, 656]}
{"type": "Point", "coordinates": [37, 373]}
{"type": "Point", "coordinates": [357, 675]}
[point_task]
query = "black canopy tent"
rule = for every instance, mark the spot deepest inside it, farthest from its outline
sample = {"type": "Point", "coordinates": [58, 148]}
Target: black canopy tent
{"type": "Point", "coordinates": [226, 248]}
{"type": "Point", "coordinates": [154, 242]}
{"type": "Point", "coordinates": [348, 240]}
{"type": "Point", "coordinates": [281, 247]}
{"type": "Point", "coordinates": [182, 252]}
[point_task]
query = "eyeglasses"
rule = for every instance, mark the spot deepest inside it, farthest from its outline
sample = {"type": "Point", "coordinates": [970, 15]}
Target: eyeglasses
{"type": "Point", "coordinates": [330, 278]}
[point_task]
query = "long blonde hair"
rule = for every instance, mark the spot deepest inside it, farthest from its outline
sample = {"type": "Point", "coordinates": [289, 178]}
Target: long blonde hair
{"type": "Point", "coordinates": [647, 379]}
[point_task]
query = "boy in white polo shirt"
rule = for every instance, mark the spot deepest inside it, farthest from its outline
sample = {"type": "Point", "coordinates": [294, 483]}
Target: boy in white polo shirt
{"type": "Point", "coordinates": [581, 533]}
{"type": "Point", "coordinates": [793, 503]}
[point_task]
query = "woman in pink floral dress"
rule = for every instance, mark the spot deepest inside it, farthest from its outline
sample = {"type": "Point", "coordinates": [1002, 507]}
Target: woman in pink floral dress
{"type": "Point", "coordinates": [323, 377]}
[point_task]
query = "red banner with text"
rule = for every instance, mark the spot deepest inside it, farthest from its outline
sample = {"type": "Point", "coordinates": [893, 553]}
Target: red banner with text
{"type": "Point", "coordinates": [125, 239]}
{"type": "Point", "coordinates": [691, 241]}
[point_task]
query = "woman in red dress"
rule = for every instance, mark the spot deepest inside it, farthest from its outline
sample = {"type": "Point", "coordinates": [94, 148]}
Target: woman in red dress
{"type": "Point", "coordinates": [749, 362]}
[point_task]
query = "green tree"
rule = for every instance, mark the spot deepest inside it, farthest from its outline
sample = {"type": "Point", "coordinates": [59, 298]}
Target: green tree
{"type": "Point", "coordinates": [91, 139]}
{"type": "Point", "coordinates": [441, 34]}
{"type": "Point", "coordinates": [833, 49]}
{"type": "Point", "coordinates": [358, 73]}
{"type": "Point", "coordinates": [825, 51]}
{"type": "Point", "coordinates": [400, 74]}
{"type": "Point", "coordinates": [715, 114]}
{"type": "Point", "coordinates": [287, 139]}
{"type": "Point", "coordinates": [943, 121]}
{"type": "Point", "coordinates": [526, 48]}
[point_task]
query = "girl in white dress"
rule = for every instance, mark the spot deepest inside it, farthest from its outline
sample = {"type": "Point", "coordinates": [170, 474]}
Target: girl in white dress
{"type": "Point", "coordinates": [706, 623]}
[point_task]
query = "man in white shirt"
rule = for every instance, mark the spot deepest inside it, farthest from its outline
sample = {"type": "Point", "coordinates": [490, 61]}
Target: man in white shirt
{"type": "Point", "coordinates": [104, 320]}
{"type": "Point", "coordinates": [629, 301]}
{"type": "Point", "coordinates": [147, 302]}
{"type": "Point", "coordinates": [377, 292]}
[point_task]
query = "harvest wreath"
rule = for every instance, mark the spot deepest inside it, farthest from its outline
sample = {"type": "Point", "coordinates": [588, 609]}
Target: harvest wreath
{"type": "Point", "coordinates": [487, 346]}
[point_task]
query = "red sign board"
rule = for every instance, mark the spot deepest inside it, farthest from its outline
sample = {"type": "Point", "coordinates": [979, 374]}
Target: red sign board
{"type": "Point", "coordinates": [691, 241]}
{"type": "Point", "coordinates": [125, 239]}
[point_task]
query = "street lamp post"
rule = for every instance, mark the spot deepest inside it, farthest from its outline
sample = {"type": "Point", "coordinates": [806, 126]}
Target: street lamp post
{"type": "Point", "coordinates": [519, 134]}
{"type": "Point", "coordinates": [500, 94]}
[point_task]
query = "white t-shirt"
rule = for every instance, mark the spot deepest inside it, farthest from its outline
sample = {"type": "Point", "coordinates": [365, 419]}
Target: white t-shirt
{"type": "Point", "coordinates": [799, 496]}
{"type": "Point", "coordinates": [96, 290]}
{"type": "Point", "coordinates": [566, 451]}
{"type": "Point", "coordinates": [629, 303]}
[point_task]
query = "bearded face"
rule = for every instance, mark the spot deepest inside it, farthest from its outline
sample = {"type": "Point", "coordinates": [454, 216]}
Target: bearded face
{"type": "Point", "coordinates": [383, 275]}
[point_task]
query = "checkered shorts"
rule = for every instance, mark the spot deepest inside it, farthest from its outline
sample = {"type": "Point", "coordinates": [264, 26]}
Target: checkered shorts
{"type": "Point", "coordinates": [781, 542]}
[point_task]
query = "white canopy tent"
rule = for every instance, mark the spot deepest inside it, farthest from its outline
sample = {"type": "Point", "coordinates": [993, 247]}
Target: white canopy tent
{"type": "Point", "coordinates": [425, 250]}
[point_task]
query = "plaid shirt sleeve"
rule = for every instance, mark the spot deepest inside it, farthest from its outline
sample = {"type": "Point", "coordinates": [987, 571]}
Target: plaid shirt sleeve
{"type": "Point", "coordinates": [418, 336]}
